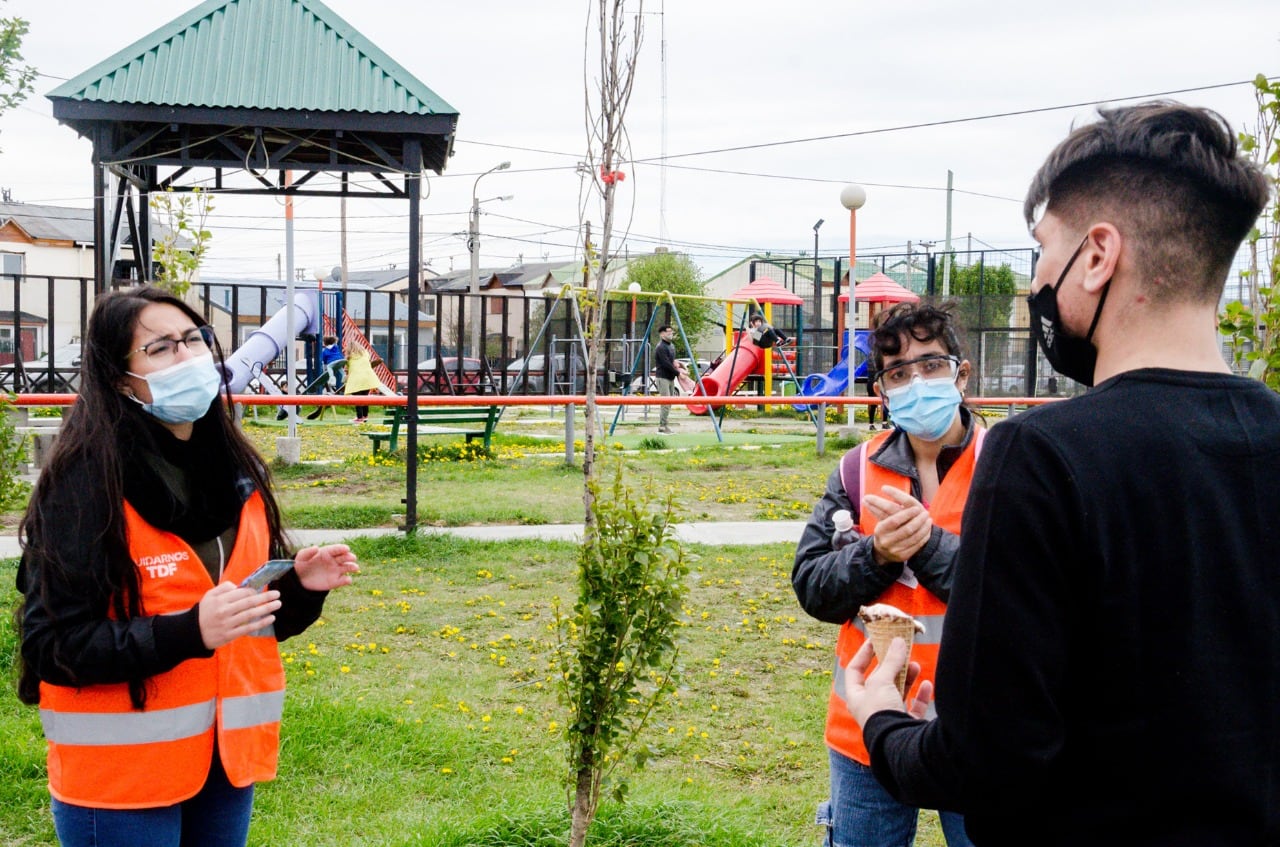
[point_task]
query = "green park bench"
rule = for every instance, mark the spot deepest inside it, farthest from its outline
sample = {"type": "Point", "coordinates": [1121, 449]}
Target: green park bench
{"type": "Point", "coordinates": [438, 420]}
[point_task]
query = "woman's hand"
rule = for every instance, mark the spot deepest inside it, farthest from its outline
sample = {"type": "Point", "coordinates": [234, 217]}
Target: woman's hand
{"type": "Point", "coordinates": [325, 568]}
{"type": "Point", "coordinates": [227, 612]}
{"type": "Point", "coordinates": [903, 525]}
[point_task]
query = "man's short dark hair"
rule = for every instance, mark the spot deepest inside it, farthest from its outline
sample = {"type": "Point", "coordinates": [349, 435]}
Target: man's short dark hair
{"type": "Point", "coordinates": [922, 322]}
{"type": "Point", "coordinates": [664, 328]}
{"type": "Point", "coordinates": [1171, 179]}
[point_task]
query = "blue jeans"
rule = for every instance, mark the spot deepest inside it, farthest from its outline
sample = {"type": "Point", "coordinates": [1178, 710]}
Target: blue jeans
{"type": "Point", "coordinates": [861, 813]}
{"type": "Point", "coordinates": [218, 816]}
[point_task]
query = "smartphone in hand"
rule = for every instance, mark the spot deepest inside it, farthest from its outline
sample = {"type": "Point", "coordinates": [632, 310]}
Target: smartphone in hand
{"type": "Point", "coordinates": [270, 570]}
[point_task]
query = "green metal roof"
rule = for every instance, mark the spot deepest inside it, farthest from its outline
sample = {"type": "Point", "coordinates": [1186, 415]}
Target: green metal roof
{"type": "Point", "coordinates": [257, 54]}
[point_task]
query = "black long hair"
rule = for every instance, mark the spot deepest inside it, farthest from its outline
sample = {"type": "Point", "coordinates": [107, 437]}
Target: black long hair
{"type": "Point", "coordinates": [89, 452]}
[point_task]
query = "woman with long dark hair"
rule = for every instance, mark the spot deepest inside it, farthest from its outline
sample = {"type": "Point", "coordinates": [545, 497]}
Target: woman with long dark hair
{"type": "Point", "coordinates": [159, 681]}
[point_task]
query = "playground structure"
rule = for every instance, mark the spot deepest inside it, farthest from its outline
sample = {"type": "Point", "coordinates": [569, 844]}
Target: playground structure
{"type": "Point", "coordinates": [550, 361]}
{"type": "Point", "coordinates": [742, 359]}
{"type": "Point", "coordinates": [835, 383]}
{"type": "Point", "coordinates": [245, 367]}
{"type": "Point", "coordinates": [878, 290]}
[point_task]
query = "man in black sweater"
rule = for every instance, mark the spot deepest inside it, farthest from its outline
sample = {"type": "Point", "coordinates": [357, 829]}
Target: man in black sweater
{"type": "Point", "coordinates": [668, 371]}
{"type": "Point", "coordinates": [1108, 670]}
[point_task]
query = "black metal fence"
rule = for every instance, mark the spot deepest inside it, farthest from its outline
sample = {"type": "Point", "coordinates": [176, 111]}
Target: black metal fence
{"type": "Point", "coordinates": [985, 290]}
{"type": "Point", "coordinates": [532, 344]}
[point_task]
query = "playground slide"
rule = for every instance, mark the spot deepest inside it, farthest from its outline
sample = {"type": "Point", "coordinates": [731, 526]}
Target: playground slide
{"type": "Point", "coordinates": [724, 378]}
{"type": "Point", "coordinates": [835, 382]}
{"type": "Point", "coordinates": [267, 342]}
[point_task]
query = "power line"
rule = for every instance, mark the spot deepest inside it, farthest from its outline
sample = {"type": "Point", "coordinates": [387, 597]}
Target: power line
{"type": "Point", "coordinates": [953, 121]}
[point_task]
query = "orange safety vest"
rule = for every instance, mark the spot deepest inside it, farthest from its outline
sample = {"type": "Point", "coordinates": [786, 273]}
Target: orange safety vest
{"type": "Point", "coordinates": [843, 733]}
{"type": "Point", "coordinates": [105, 754]}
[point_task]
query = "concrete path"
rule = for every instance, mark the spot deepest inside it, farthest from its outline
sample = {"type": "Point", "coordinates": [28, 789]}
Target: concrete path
{"type": "Point", "coordinates": [698, 532]}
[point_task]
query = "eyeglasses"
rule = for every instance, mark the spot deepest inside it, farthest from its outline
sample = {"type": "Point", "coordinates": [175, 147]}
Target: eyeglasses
{"type": "Point", "coordinates": [926, 367]}
{"type": "Point", "coordinates": [162, 350]}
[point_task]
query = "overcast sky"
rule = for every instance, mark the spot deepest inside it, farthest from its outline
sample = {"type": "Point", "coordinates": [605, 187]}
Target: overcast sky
{"type": "Point", "coordinates": [738, 73]}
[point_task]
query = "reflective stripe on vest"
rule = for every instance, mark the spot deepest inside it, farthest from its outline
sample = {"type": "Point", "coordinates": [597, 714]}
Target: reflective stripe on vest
{"type": "Point", "coordinates": [102, 729]}
{"type": "Point", "coordinates": [843, 733]}
{"type": "Point", "coordinates": [252, 710]}
{"type": "Point", "coordinates": [103, 753]}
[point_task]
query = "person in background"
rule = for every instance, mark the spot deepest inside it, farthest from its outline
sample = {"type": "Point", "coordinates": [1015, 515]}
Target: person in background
{"type": "Point", "coordinates": [158, 677]}
{"type": "Point", "coordinates": [906, 490]}
{"type": "Point", "coordinates": [361, 379]}
{"type": "Point", "coordinates": [334, 365]}
{"type": "Point", "coordinates": [762, 334]}
{"type": "Point", "coordinates": [1107, 674]}
{"type": "Point", "coordinates": [331, 359]}
{"type": "Point", "coordinates": [668, 371]}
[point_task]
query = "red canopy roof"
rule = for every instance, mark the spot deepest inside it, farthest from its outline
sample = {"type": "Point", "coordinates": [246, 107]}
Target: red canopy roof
{"type": "Point", "coordinates": [765, 290]}
{"type": "Point", "coordinates": [879, 288]}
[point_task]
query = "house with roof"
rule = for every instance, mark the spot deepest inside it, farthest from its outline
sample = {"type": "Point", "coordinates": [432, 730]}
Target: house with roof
{"type": "Point", "coordinates": [46, 272]}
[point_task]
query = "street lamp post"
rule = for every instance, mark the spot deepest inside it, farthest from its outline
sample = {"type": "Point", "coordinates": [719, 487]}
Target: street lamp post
{"type": "Point", "coordinates": [817, 278]}
{"type": "Point", "coordinates": [852, 197]}
{"type": "Point", "coordinates": [473, 246]}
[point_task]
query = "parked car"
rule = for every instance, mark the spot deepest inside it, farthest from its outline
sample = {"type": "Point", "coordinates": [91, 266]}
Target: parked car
{"type": "Point", "coordinates": [1010, 381]}
{"type": "Point", "coordinates": [534, 379]}
{"type": "Point", "coordinates": [65, 378]}
{"type": "Point", "coordinates": [470, 379]}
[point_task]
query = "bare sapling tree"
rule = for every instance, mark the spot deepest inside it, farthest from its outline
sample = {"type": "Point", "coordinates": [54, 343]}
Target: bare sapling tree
{"type": "Point", "coordinates": [619, 33]}
{"type": "Point", "coordinates": [617, 653]}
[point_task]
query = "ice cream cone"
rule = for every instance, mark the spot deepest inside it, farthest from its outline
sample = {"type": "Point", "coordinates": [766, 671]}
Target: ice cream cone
{"type": "Point", "coordinates": [882, 631]}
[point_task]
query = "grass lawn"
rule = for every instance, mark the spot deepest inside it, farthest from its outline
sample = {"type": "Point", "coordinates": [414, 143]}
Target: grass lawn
{"type": "Point", "coordinates": [421, 708]}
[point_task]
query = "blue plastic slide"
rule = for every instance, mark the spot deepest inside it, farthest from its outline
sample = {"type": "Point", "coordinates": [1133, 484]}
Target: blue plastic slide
{"type": "Point", "coordinates": [835, 383]}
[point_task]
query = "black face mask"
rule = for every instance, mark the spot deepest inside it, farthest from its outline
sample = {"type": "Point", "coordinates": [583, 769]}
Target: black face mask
{"type": "Point", "coordinates": [1069, 355]}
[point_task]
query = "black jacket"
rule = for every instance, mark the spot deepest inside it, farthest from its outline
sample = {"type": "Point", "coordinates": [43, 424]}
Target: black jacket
{"type": "Point", "coordinates": [830, 584]}
{"type": "Point", "coordinates": [1108, 671]}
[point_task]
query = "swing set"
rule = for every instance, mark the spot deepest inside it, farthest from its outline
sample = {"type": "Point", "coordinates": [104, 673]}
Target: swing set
{"type": "Point", "coordinates": [732, 362]}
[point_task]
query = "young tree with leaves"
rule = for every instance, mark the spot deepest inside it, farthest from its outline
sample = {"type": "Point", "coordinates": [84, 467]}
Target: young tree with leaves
{"type": "Point", "coordinates": [676, 273]}
{"type": "Point", "coordinates": [630, 569]}
{"type": "Point", "coordinates": [16, 78]}
{"type": "Point", "coordinates": [1252, 327]}
{"type": "Point", "coordinates": [184, 241]}
{"type": "Point", "coordinates": [984, 294]}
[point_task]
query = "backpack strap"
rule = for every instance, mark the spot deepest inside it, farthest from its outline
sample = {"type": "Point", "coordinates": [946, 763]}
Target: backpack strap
{"type": "Point", "coordinates": [851, 477]}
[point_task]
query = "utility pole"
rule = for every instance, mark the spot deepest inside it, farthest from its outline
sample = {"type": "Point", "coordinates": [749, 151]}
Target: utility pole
{"type": "Point", "coordinates": [342, 238]}
{"type": "Point", "coordinates": [473, 245]}
{"type": "Point", "coordinates": [817, 278]}
{"type": "Point", "coordinates": [946, 251]}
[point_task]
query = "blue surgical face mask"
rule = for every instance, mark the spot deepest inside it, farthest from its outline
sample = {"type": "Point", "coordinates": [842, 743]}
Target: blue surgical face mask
{"type": "Point", "coordinates": [925, 408]}
{"type": "Point", "coordinates": [181, 393]}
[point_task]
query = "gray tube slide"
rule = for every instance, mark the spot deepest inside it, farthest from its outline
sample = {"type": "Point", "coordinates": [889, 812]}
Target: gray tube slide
{"type": "Point", "coordinates": [267, 342]}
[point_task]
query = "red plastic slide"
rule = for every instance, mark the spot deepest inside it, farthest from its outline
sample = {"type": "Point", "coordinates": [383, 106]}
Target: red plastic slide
{"type": "Point", "coordinates": [724, 378]}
